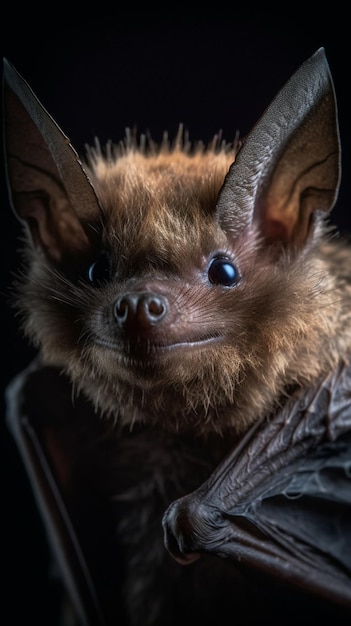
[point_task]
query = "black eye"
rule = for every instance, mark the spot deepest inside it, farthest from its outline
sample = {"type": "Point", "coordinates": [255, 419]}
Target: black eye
{"type": "Point", "coordinates": [100, 270]}
{"type": "Point", "coordinates": [223, 272]}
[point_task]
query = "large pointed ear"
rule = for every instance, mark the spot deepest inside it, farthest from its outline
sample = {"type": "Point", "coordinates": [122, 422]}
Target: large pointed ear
{"type": "Point", "coordinates": [288, 168]}
{"type": "Point", "coordinates": [48, 186]}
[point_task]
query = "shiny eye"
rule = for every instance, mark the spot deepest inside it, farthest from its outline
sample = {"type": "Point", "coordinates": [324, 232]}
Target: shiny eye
{"type": "Point", "coordinates": [223, 272]}
{"type": "Point", "coordinates": [100, 269]}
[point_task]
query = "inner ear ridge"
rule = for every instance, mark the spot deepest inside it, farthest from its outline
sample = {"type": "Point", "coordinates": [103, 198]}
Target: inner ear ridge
{"type": "Point", "coordinates": [41, 201]}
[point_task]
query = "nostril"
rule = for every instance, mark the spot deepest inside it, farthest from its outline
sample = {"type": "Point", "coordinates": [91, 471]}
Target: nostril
{"type": "Point", "coordinates": [121, 309]}
{"type": "Point", "coordinates": [156, 306]}
{"type": "Point", "coordinates": [135, 310]}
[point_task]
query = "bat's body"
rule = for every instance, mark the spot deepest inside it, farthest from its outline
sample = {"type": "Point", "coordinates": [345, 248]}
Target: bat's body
{"type": "Point", "coordinates": [185, 292]}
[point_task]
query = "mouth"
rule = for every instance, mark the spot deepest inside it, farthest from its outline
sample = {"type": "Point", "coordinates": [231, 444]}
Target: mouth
{"type": "Point", "coordinates": [147, 352]}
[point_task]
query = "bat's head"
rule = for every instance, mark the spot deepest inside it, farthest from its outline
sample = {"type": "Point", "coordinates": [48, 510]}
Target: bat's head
{"type": "Point", "coordinates": [179, 284]}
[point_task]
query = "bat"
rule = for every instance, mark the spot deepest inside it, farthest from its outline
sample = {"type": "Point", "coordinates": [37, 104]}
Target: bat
{"type": "Point", "coordinates": [190, 306]}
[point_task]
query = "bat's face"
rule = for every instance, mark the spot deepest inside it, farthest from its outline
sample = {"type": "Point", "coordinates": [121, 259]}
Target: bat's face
{"type": "Point", "coordinates": [164, 308]}
{"type": "Point", "coordinates": [163, 272]}
{"type": "Point", "coordinates": [178, 287]}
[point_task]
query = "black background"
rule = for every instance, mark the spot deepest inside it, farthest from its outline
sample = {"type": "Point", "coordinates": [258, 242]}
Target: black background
{"type": "Point", "coordinates": [97, 74]}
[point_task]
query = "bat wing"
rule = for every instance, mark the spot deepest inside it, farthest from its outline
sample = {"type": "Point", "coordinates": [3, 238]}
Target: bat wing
{"type": "Point", "coordinates": [51, 434]}
{"type": "Point", "coordinates": [280, 503]}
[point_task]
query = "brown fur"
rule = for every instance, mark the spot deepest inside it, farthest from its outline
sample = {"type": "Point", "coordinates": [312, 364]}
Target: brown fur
{"type": "Point", "coordinates": [287, 322]}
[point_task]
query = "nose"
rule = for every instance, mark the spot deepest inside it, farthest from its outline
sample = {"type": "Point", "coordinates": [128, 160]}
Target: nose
{"type": "Point", "coordinates": [139, 310]}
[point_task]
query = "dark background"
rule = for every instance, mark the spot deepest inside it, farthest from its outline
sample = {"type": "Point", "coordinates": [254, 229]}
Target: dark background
{"type": "Point", "coordinates": [100, 74]}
